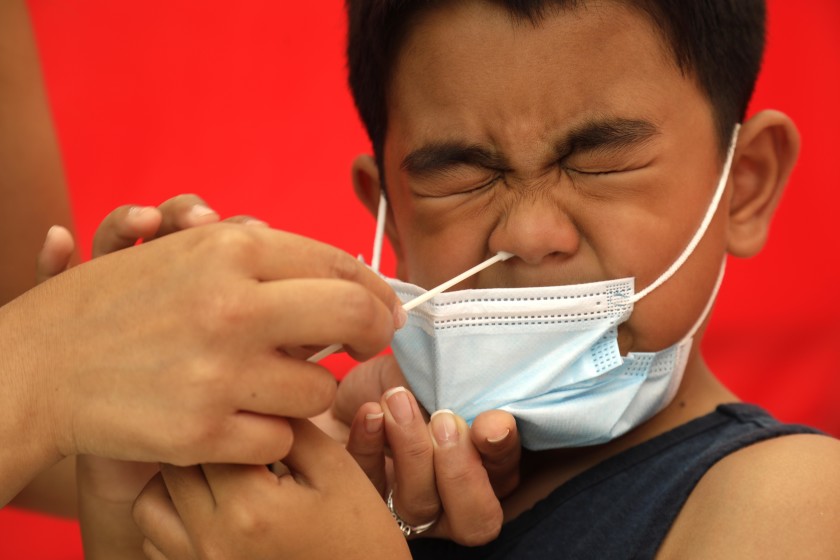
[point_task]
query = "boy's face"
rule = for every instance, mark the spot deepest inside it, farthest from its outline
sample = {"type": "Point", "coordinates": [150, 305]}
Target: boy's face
{"type": "Point", "coordinates": [575, 144]}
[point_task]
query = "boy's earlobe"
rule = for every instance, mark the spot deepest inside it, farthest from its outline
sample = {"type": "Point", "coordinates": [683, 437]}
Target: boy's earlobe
{"type": "Point", "coordinates": [768, 146]}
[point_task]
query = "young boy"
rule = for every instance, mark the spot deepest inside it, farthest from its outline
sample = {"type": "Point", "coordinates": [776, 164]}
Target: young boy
{"type": "Point", "coordinates": [596, 142]}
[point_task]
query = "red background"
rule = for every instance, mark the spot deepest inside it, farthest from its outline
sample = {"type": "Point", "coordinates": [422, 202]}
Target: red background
{"type": "Point", "coordinates": [248, 107]}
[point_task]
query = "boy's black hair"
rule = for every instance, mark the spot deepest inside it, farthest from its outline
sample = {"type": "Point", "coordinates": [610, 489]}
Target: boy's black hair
{"type": "Point", "coordinates": [719, 42]}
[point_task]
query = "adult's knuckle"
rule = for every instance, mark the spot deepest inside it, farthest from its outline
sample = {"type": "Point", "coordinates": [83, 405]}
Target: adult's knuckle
{"type": "Point", "coordinates": [224, 313]}
{"type": "Point", "coordinates": [209, 549]}
{"type": "Point", "coordinates": [343, 267]}
{"type": "Point", "coordinates": [415, 452]}
{"type": "Point", "coordinates": [231, 241]}
{"type": "Point", "coordinates": [247, 520]}
{"type": "Point", "coordinates": [456, 478]}
{"type": "Point", "coordinates": [422, 510]}
{"type": "Point", "coordinates": [479, 536]}
{"type": "Point", "coordinates": [197, 439]}
{"type": "Point", "coordinates": [321, 391]}
{"type": "Point", "coordinates": [363, 319]}
{"type": "Point", "coordinates": [508, 459]}
{"type": "Point", "coordinates": [360, 306]}
{"type": "Point", "coordinates": [140, 511]}
{"type": "Point", "coordinates": [484, 527]}
{"type": "Point", "coordinates": [505, 485]}
{"type": "Point", "coordinates": [149, 549]}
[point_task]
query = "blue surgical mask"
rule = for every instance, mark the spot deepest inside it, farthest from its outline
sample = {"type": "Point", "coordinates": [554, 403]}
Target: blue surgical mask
{"type": "Point", "coordinates": [548, 355]}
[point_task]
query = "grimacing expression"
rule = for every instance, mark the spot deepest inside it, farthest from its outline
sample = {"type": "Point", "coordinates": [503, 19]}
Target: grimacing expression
{"type": "Point", "coordinates": [575, 143]}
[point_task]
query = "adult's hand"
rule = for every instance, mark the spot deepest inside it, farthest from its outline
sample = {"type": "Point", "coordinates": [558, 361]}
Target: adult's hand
{"type": "Point", "coordinates": [180, 350]}
{"type": "Point", "coordinates": [322, 508]}
{"type": "Point", "coordinates": [437, 470]}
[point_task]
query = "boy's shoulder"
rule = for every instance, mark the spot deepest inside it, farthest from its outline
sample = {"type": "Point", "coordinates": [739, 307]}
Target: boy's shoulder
{"type": "Point", "coordinates": [779, 498]}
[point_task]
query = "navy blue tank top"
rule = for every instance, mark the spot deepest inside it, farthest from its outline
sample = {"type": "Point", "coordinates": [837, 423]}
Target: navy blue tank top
{"type": "Point", "coordinates": [623, 507]}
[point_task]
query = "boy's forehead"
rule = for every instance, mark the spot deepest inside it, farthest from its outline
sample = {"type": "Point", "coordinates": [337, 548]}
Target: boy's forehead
{"type": "Point", "coordinates": [459, 27]}
{"type": "Point", "coordinates": [469, 65]}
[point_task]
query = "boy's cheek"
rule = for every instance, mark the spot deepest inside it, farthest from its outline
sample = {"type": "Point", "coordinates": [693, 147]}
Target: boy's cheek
{"type": "Point", "coordinates": [625, 339]}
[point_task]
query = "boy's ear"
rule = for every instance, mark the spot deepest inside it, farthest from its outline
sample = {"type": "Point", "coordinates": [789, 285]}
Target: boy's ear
{"type": "Point", "coordinates": [768, 145]}
{"type": "Point", "coordinates": [368, 188]}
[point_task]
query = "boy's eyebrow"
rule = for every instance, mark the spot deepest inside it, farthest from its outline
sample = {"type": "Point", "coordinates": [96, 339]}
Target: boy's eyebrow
{"type": "Point", "coordinates": [610, 133]}
{"type": "Point", "coordinates": [437, 156]}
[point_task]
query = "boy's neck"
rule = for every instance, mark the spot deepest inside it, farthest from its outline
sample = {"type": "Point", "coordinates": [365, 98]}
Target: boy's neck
{"type": "Point", "coordinates": [700, 393]}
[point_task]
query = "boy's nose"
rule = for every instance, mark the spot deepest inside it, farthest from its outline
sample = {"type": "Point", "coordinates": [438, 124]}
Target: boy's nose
{"type": "Point", "coordinates": [536, 227]}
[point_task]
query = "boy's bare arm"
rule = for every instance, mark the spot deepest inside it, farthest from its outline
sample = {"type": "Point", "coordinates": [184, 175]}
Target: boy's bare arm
{"type": "Point", "coordinates": [775, 499]}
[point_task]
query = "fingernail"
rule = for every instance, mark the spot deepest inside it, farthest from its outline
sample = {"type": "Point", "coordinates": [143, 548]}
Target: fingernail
{"type": "Point", "coordinates": [399, 405]}
{"type": "Point", "coordinates": [500, 438]}
{"type": "Point", "coordinates": [139, 210]}
{"type": "Point", "coordinates": [51, 233]}
{"type": "Point", "coordinates": [400, 316]}
{"type": "Point", "coordinates": [444, 427]}
{"type": "Point", "coordinates": [199, 211]}
{"type": "Point", "coordinates": [255, 222]}
{"type": "Point", "coordinates": [373, 422]}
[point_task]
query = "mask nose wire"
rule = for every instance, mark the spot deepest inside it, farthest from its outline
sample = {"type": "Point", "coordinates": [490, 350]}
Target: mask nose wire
{"type": "Point", "coordinates": [701, 231]}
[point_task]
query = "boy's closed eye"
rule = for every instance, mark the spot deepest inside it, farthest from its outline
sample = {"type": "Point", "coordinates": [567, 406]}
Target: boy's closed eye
{"type": "Point", "coordinates": [456, 180]}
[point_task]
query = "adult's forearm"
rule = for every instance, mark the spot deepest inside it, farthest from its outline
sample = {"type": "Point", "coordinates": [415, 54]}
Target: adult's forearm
{"type": "Point", "coordinates": [33, 196]}
{"type": "Point", "coordinates": [26, 449]}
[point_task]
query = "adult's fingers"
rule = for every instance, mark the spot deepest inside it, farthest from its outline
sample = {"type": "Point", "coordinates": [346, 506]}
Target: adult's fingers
{"type": "Point", "coordinates": [56, 253]}
{"type": "Point", "coordinates": [152, 552]}
{"type": "Point", "coordinates": [275, 384]}
{"type": "Point", "coordinates": [246, 220]}
{"type": "Point", "coordinates": [319, 311]}
{"type": "Point", "coordinates": [123, 227]}
{"type": "Point", "coordinates": [473, 513]}
{"type": "Point", "coordinates": [159, 521]}
{"type": "Point", "coordinates": [415, 494]}
{"type": "Point", "coordinates": [366, 383]}
{"type": "Point", "coordinates": [254, 439]}
{"type": "Point", "coordinates": [278, 255]}
{"type": "Point", "coordinates": [183, 212]}
{"type": "Point", "coordinates": [190, 493]}
{"type": "Point", "coordinates": [367, 444]}
{"type": "Point", "coordinates": [230, 482]}
{"type": "Point", "coordinates": [315, 458]}
{"type": "Point", "coordinates": [496, 438]}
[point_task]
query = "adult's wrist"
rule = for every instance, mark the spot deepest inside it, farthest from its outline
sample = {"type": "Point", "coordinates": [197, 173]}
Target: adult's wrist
{"type": "Point", "coordinates": [27, 428]}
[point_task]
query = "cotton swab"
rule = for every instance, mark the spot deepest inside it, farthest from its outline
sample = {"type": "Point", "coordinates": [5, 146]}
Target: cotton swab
{"type": "Point", "coordinates": [409, 305]}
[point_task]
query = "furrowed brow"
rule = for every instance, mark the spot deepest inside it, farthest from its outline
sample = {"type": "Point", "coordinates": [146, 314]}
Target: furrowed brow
{"type": "Point", "coordinates": [437, 157]}
{"type": "Point", "coordinates": [609, 134]}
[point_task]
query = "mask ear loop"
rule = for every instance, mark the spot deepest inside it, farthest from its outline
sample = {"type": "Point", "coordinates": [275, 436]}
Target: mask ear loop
{"type": "Point", "coordinates": [707, 219]}
{"type": "Point", "coordinates": [380, 232]}
{"type": "Point", "coordinates": [711, 301]}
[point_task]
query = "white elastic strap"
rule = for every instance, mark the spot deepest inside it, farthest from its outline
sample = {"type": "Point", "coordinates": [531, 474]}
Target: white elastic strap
{"type": "Point", "coordinates": [711, 301]}
{"type": "Point", "coordinates": [380, 232]}
{"type": "Point", "coordinates": [707, 219]}
{"type": "Point", "coordinates": [409, 305]}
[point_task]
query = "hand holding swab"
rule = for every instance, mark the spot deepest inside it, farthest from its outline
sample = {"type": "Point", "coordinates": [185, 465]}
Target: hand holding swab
{"type": "Point", "coordinates": [498, 257]}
